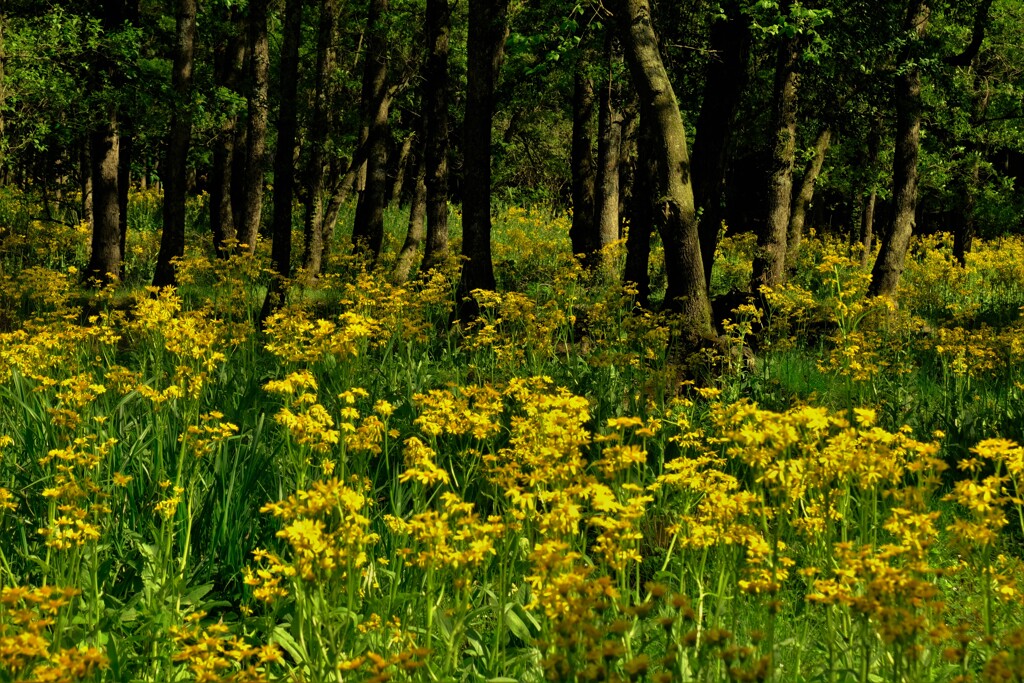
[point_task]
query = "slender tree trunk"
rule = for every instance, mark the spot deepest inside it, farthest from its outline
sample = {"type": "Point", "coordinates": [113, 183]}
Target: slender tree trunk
{"type": "Point", "coordinates": [368, 230]}
{"type": "Point", "coordinates": [609, 142]}
{"type": "Point", "coordinates": [885, 276]}
{"type": "Point", "coordinates": [686, 292]}
{"type": "Point", "coordinates": [488, 29]}
{"type": "Point", "coordinates": [3, 91]}
{"type": "Point", "coordinates": [126, 150]}
{"type": "Point", "coordinates": [725, 81]}
{"type": "Point", "coordinates": [642, 217]}
{"type": "Point", "coordinates": [256, 127]}
{"type": "Point", "coordinates": [584, 172]}
{"type": "Point", "coordinates": [401, 165]}
{"type": "Point", "coordinates": [85, 171]}
{"type": "Point", "coordinates": [179, 138]}
{"type": "Point", "coordinates": [284, 159]}
{"type": "Point", "coordinates": [105, 259]}
{"type": "Point", "coordinates": [803, 198]}
{"type": "Point", "coordinates": [770, 262]}
{"type": "Point", "coordinates": [340, 188]}
{"type": "Point", "coordinates": [435, 100]}
{"type": "Point", "coordinates": [963, 236]}
{"type": "Point", "coordinates": [313, 227]}
{"type": "Point", "coordinates": [417, 222]}
{"type": "Point", "coordinates": [867, 226]}
{"type": "Point", "coordinates": [229, 63]}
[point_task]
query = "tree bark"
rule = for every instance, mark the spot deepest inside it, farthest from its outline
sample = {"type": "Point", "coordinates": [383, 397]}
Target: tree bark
{"type": "Point", "coordinates": [609, 143]}
{"type": "Point", "coordinates": [417, 225]}
{"type": "Point", "coordinates": [85, 171]}
{"type": "Point", "coordinates": [126, 149]}
{"type": "Point", "coordinates": [105, 259]}
{"type": "Point", "coordinates": [885, 275]}
{"type": "Point", "coordinates": [284, 160]}
{"type": "Point", "coordinates": [641, 217]}
{"type": "Point", "coordinates": [770, 261]}
{"type": "Point", "coordinates": [488, 29]}
{"type": "Point", "coordinates": [803, 198]}
{"type": "Point", "coordinates": [963, 236]}
{"type": "Point", "coordinates": [686, 292]}
{"type": "Point", "coordinates": [435, 99]}
{"type": "Point", "coordinates": [229, 62]}
{"type": "Point", "coordinates": [582, 232]}
{"type": "Point", "coordinates": [172, 238]}
{"type": "Point", "coordinates": [867, 226]}
{"type": "Point", "coordinates": [725, 81]}
{"type": "Point", "coordinates": [368, 230]}
{"type": "Point", "coordinates": [401, 165]}
{"type": "Point", "coordinates": [313, 226]}
{"type": "Point", "coordinates": [256, 127]}
{"type": "Point", "coordinates": [3, 91]}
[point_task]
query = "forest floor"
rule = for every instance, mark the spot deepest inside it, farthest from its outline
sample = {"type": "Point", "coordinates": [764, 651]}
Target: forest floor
{"type": "Point", "coordinates": [365, 491]}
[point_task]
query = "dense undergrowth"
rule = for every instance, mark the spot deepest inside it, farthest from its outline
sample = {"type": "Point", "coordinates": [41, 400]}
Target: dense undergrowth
{"type": "Point", "coordinates": [367, 492]}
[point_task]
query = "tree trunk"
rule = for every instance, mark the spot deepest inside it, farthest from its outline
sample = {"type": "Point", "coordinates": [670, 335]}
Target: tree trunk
{"type": "Point", "coordinates": [256, 127]}
{"type": "Point", "coordinates": [435, 101]}
{"type": "Point", "coordinates": [686, 292]}
{"type": "Point", "coordinates": [609, 142]}
{"type": "Point", "coordinates": [368, 230]}
{"type": "Point", "coordinates": [340, 188]}
{"type": "Point", "coordinates": [488, 29]}
{"type": "Point", "coordinates": [3, 91]}
{"type": "Point", "coordinates": [641, 217]}
{"type": "Point", "coordinates": [85, 171]}
{"type": "Point", "coordinates": [401, 165]}
{"type": "Point", "coordinates": [582, 233]}
{"type": "Point", "coordinates": [725, 81]}
{"type": "Point", "coordinates": [229, 62]}
{"type": "Point", "coordinates": [105, 259]}
{"type": "Point", "coordinates": [803, 198]}
{"type": "Point", "coordinates": [172, 239]}
{"type": "Point", "coordinates": [963, 236]}
{"type": "Point", "coordinates": [867, 226]}
{"type": "Point", "coordinates": [126, 148]}
{"type": "Point", "coordinates": [417, 226]}
{"type": "Point", "coordinates": [770, 261]}
{"type": "Point", "coordinates": [885, 276]}
{"type": "Point", "coordinates": [284, 159]}
{"type": "Point", "coordinates": [313, 226]}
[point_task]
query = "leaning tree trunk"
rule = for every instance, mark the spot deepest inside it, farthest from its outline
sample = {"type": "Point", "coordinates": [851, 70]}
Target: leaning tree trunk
{"type": "Point", "coordinates": [105, 259]}
{"type": "Point", "coordinates": [368, 230]}
{"type": "Point", "coordinates": [581, 232]}
{"type": "Point", "coordinates": [435, 101]}
{"type": "Point", "coordinates": [401, 165]}
{"type": "Point", "coordinates": [725, 81]}
{"type": "Point", "coordinates": [798, 215]}
{"type": "Point", "coordinates": [488, 29]}
{"type": "Point", "coordinates": [229, 62]}
{"type": "Point", "coordinates": [686, 292]}
{"type": "Point", "coordinates": [770, 261]}
{"type": "Point", "coordinates": [284, 159]}
{"type": "Point", "coordinates": [313, 227]}
{"type": "Point", "coordinates": [417, 225]}
{"type": "Point", "coordinates": [885, 276]}
{"type": "Point", "coordinates": [172, 238]}
{"type": "Point", "coordinates": [256, 127]}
